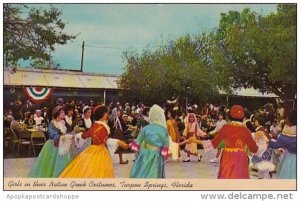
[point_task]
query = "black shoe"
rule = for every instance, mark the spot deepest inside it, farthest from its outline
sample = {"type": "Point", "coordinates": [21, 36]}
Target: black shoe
{"type": "Point", "coordinates": [186, 160]}
{"type": "Point", "coordinates": [199, 158]}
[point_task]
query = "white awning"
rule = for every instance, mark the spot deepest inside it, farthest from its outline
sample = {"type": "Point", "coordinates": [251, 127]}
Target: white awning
{"type": "Point", "coordinates": [63, 80]}
{"type": "Point", "coordinates": [253, 93]}
{"type": "Point", "coordinates": [55, 78]}
{"type": "Point", "coordinates": [250, 92]}
{"type": "Point", "coordinates": [25, 78]}
{"type": "Point", "coordinates": [92, 81]}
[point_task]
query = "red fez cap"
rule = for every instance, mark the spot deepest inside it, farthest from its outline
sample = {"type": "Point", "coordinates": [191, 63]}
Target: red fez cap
{"type": "Point", "coordinates": [237, 112]}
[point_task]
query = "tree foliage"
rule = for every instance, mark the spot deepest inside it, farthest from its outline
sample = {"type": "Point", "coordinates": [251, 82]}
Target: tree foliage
{"type": "Point", "coordinates": [177, 70]}
{"type": "Point", "coordinates": [246, 50]}
{"type": "Point", "coordinates": [33, 36]}
{"type": "Point", "coordinates": [258, 51]}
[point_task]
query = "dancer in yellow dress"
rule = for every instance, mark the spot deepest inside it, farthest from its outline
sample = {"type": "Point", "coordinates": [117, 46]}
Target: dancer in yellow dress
{"type": "Point", "coordinates": [174, 135]}
{"type": "Point", "coordinates": [95, 161]}
{"type": "Point", "coordinates": [191, 132]}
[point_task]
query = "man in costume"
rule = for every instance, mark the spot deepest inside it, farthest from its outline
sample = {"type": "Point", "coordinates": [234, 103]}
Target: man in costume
{"type": "Point", "coordinates": [236, 137]}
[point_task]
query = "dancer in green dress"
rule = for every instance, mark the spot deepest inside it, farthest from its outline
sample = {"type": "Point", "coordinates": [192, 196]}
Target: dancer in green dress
{"type": "Point", "coordinates": [54, 156]}
{"type": "Point", "coordinates": [152, 144]}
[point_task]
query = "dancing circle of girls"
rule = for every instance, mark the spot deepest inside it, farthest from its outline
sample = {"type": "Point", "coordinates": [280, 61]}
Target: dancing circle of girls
{"type": "Point", "coordinates": [85, 151]}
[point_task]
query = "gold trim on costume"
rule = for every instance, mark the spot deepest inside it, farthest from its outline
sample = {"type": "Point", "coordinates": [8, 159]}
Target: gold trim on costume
{"type": "Point", "coordinates": [152, 147]}
{"type": "Point", "coordinates": [235, 123]}
{"type": "Point", "coordinates": [234, 149]}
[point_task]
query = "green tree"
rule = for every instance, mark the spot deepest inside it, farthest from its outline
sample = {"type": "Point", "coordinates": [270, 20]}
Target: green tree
{"type": "Point", "coordinates": [33, 36]}
{"type": "Point", "coordinates": [258, 51]}
{"type": "Point", "coordinates": [181, 69]}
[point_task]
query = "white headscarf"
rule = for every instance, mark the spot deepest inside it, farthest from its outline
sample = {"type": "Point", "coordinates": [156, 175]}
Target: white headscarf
{"type": "Point", "coordinates": [85, 109]}
{"type": "Point", "coordinates": [192, 126]}
{"type": "Point", "coordinates": [116, 119]}
{"type": "Point", "coordinates": [157, 116]}
{"type": "Point", "coordinates": [114, 113]}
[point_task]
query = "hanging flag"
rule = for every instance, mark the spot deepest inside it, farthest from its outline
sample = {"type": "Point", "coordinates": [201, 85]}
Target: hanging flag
{"type": "Point", "coordinates": [38, 94]}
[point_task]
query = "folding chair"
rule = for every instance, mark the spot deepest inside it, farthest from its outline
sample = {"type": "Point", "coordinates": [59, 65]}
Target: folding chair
{"type": "Point", "coordinates": [38, 138]}
{"type": "Point", "coordinates": [14, 140]}
{"type": "Point", "coordinates": [24, 140]}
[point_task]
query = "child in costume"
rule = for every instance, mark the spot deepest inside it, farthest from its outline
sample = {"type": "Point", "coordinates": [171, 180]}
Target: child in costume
{"type": "Point", "coordinates": [192, 131]}
{"type": "Point", "coordinates": [152, 145]}
{"type": "Point", "coordinates": [55, 154]}
{"type": "Point", "coordinates": [236, 137]}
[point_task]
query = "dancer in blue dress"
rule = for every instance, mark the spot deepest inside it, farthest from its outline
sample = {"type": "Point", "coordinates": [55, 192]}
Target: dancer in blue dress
{"type": "Point", "coordinates": [152, 144]}
{"type": "Point", "coordinates": [55, 154]}
{"type": "Point", "coordinates": [288, 141]}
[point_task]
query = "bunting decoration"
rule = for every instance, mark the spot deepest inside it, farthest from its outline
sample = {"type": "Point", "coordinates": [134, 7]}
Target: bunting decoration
{"type": "Point", "coordinates": [38, 94]}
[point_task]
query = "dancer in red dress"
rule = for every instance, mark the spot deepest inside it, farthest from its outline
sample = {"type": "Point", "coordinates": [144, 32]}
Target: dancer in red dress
{"type": "Point", "coordinates": [234, 160]}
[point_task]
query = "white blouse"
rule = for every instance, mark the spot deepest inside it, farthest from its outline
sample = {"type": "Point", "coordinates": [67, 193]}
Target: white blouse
{"type": "Point", "coordinates": [87, 122]}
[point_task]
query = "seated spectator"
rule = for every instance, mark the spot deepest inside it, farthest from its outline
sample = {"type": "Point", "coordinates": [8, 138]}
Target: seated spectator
{"type": "Point", "coordinates": [38, 117]}
{"type": "Point", "coordinates": [29, 121]}
{"type": "Point", "coordinates": [19, 128]}
{"type": "Point", "coordinates": [7, 121]}
{"type": "Point", "coordinates": [16, 125]}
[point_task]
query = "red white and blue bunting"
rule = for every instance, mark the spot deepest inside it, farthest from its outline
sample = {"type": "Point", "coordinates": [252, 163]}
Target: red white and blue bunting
{"type": "Point", "coordinates": [38, 94]}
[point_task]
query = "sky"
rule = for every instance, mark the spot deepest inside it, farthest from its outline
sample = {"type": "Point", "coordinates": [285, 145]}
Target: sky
{"type": "Point", "coordinates": [110, 29]}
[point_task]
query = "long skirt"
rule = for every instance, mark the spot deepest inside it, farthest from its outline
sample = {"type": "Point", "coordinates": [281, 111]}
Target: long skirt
{"type": "Point", "coordinates": [94, 162]}
{"type": "Point", "coordinates": [191, 147]}
{"type": "Point", "coordinates": [234, 165]}
{"type": "Point", "coordinates": [148, 164]}
{"type": "Point", "coordinates": [49, 163]}
{"type": "Point", "coordinates": [288, 168]}
{"type": "Point", "coordinates": [173, 149]}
